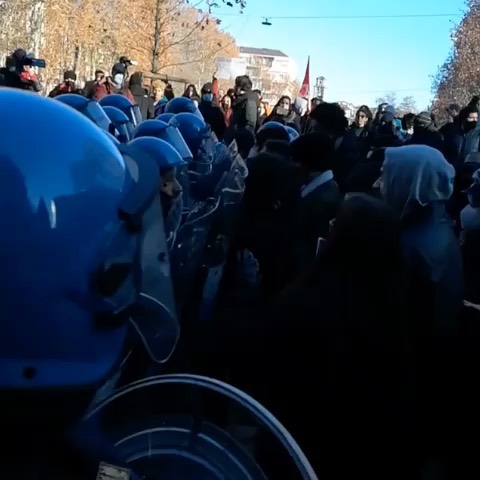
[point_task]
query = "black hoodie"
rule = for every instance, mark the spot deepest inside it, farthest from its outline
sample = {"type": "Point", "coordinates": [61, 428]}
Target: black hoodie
{"type": "Point", "coordinates": [141, 96]}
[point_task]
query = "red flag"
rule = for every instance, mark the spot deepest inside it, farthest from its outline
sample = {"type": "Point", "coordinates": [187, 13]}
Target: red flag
{"type": "Point", "coordinates": [305, 90]}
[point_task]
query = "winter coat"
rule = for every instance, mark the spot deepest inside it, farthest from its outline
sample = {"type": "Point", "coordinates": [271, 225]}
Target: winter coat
{"type": "Point", "coordinates": [143, 100]}
{"type": "Point", "coordinates": [214, 116]}
{"type": "Point", "coordinates": [245, 111]}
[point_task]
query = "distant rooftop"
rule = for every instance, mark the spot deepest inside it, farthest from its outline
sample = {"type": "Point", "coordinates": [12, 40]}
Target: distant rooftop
{"type": "Point", "coordinates": [266, 52]}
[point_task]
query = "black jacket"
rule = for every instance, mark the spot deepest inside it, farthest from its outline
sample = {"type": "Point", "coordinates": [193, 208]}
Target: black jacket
{"type": "Point", "coordinates": [316, 210]}
{"type": "Point", "coordinates": [13, 80]}
{"type": "Point", "coordinates": [245, 112]}
{"type": "Point", "coordinates": [426, 136]}
{"type": "Point", "coordinates": [89, 88]}
{"type": "Point", "coordinates": [215, 117]}
{"type": "Point", "coordinates": [144, 101]}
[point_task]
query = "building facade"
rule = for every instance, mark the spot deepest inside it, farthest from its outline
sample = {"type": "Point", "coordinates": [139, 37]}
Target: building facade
{"type": "Point", "coordinates": [271, 71]}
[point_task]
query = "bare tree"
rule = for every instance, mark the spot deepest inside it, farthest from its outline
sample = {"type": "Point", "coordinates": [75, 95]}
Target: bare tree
{"type": "Point", "coordinates": [457, 79]}
{"type": "Point", "coordinates": [389, 97]}
{"type": "Point", "coordinates": [407, 105]}
{"type": "Point", "coordinates": [162, 35]}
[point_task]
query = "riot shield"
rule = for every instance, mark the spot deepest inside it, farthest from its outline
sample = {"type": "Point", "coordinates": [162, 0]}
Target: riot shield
{"type": "Point", "coordinates": [188, 250]}
{"type": "Point", "coordinates": [230, 190]}
{"type": "Point", "coordinates": [186, 427]}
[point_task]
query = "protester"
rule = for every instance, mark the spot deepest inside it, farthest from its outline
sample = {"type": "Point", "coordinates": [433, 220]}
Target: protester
{"type": "Point", "coordinates": [269, 220]}
{"type": "Point", "coordinates": [245, 106]}
{"type": "Point", "coordinates": [408, 122]}
{"type": "Point", "coordinates": [89, 87]}
{"type": "Point", "coordinates": [226, 104]}
{"type": "Point", "coordinates": [425, 133]}
{"type": "Point", "coordinates": [163, 99]}
{"type": "Point", "coordinates": [320, 194]}
{"type": "Point", "coordinates": [470, 224]}
{"type": "Point", "coordinates": [456, 146]}
{"type": "Point", "coordinates": [19, 72]}
{"type": "Point", "coordinates": [141, 96]}
{"type": "Point", "coordinates": [361, 124]}
{"type": "Point", "coordinates": [284, 112]}
{"type": "Point", "coordinates": [191, 92]}
{"type": "Point", "coordinates": [104, 86]}
{"type": "Point", "coordinates": [330, 325]}
{"type": "Point", "coordinates": [211, 112]}
{"type": "Point", "coordinates": [67, 86]}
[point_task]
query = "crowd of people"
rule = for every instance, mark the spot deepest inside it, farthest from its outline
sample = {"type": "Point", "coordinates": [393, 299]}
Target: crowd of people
{"type": "Point", "coordinates": [348, 301]}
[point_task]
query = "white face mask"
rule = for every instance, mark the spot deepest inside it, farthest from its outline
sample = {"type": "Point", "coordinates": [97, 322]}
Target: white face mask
{"type": "Point", "coordinates": [118, 80]}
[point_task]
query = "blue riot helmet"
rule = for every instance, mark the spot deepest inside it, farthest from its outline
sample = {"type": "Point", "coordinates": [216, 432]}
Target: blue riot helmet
{"type": "Point", "coordinates": [271, 131]}
{"type": "Point", "coordinates": [88, 108]}
{"type": "Point", "coordinates": [165, 156]}
{"type": "Point", "coordinates": [198, 136]}
{"type": "Point", "coordinates": [292, 133]}
{"type": "Point", "coordinates": [171, 135]}
{"type": "Point", "coordinates": [165, 117]}
{"type": "Point", "coordinates": [272, 125]}
{"type": "Point", "coordinates": [122, 126]}
{"type": "Point", "coordinates": [81, 234]}
{"type": "Point", "coordinates": [182, 105]}
{"type": "Point", "coordinates": [171, 193]}
{"type": "Point", "coordinates": [166, 132]}
{"type": "Point", "coordinates": [121, 102]}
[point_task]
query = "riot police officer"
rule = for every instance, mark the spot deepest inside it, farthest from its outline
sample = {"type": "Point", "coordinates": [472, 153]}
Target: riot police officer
{"type": "Point", "coordinates": [76, 217]}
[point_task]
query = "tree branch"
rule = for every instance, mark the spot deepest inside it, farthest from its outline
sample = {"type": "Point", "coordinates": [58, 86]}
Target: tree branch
{"type": "Point", "coordinates": [201, 59]}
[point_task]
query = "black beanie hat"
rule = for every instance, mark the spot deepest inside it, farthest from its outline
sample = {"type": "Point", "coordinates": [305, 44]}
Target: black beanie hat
{"type": "Point", "coordinates": [70, 75]}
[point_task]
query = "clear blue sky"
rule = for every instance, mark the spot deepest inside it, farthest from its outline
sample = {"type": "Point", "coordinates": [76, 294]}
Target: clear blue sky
{"type": "Point", "coordinates": [360, 58]}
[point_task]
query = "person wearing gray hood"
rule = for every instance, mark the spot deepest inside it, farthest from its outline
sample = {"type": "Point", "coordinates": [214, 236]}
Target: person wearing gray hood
{"type": "Point", "coordinates": [416, 182]}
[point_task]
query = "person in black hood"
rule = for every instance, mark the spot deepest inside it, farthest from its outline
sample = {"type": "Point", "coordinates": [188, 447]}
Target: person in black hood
{"type": "Point", "coordinates": [379, 113]}
{"type": "Point", "coordinates": [284, 112]}
{"type": "Point", "coordinates": [425, 133]}
{"type": "Point", "coordinates": [245, 107]}
{"type": "Point", "coordinates": [191, 92]}
{"type": "Point", "coordinates": [211, 112]}
{"type": "Point", "coordinates": [455, 138]}
{"type": "Point", "coordinates": [320, 195]}
{"type": "Point", "coordinates": [141, 96]}
{"type": "Point", "coordinates": [269, 220]}
{"type": "Point", "coordinates": [385, 132]}
{"type": "Point", "coordinates": [329, 118]}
